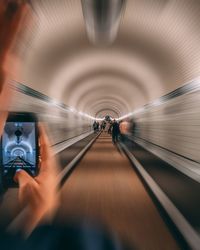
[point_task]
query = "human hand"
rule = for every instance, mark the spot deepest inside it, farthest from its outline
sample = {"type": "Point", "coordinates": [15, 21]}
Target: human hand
{"type": "Point", "coordinates": [39, 196]}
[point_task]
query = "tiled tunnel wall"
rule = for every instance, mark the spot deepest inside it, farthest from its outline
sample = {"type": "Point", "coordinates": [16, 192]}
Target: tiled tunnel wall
{"type": "Point", "coordinates": [172, 124]}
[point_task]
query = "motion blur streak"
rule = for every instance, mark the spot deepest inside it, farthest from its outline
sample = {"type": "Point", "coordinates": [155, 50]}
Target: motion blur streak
{"type": "Point", "coordinates": [137, 61]}
{"type": "Point", "coordinates": [60, 61]}
{"type": "Point", "coordinates": [156, 51]}
{"type": "Point", "coordinates": [102, 19]}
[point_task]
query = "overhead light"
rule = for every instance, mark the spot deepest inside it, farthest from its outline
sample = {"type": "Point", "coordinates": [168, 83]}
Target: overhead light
{"type": "Point", "coordinates": [102, 19]}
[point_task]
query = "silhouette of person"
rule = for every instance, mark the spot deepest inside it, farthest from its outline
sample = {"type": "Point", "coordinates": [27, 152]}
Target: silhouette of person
{"type": "Point", "coordinates": [115, 131]}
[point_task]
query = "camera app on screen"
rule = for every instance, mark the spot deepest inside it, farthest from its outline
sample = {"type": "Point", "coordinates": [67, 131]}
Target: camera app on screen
{"type": "Point", "coordinates": [19, 147]}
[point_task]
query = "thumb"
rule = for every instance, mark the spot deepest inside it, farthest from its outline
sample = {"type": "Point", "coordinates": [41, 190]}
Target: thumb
{"type": "Point", "coordinates": [22, 177]}
{"type": "Point", "coordinates": [26, 183]}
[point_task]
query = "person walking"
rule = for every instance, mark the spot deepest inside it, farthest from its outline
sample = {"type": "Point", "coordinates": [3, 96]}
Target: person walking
{"type": "Point", "coordinates": [115, 131]}
{"type": "Point", "coordinates": [95, 126]}
{"type": "Point", "coordinates": [110, 128]}
{"type": "Point", "coordinates": [124, 128]}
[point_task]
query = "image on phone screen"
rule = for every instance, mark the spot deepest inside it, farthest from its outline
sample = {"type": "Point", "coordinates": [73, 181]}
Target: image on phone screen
{"type": "Point", "coordinates": [19, 148]}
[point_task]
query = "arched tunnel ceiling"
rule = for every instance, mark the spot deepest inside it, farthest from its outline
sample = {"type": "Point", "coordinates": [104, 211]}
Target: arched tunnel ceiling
{"type": "Point", "coordinates": [157, 50]}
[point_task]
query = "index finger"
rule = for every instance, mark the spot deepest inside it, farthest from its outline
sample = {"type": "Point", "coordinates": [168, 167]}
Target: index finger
{"type": "Point", "coordinates": [45, 146]}
{"type": "Point", "coordinates": [3, 117]}
{"type": "Point", "coordinates": [48, 161]}
{"type": "Point", "coordinates": [5, 93]}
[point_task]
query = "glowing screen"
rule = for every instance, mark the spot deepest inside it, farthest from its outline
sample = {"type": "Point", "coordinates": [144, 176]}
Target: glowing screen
{"type": "Point", "coordinates": [19, 147]}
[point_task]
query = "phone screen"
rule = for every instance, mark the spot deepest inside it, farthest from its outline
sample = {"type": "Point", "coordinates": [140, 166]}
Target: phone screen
{"type": "Point", "coordinates": [19, 149]}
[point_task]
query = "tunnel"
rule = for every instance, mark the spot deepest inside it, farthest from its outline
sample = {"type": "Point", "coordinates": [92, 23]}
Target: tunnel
{"type": "Point", "coordinates": [130, 63]}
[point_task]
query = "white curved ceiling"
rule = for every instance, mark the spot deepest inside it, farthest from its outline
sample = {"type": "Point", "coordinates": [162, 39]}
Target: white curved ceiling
{"type": "Point", "coordinates": [157, 50]}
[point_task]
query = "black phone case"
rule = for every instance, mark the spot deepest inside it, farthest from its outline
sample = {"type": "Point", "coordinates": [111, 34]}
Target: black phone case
{"type": "Point", "coordinates": [19, 117]}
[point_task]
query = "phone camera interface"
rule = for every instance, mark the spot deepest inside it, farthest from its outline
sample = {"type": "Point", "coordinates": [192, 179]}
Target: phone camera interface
{"type": "Point", "coordinates": [19, 148]}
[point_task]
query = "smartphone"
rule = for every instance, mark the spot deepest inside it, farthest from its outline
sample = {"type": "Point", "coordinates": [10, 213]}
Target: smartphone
{"type": "Point", "coordinates": [19, 147]}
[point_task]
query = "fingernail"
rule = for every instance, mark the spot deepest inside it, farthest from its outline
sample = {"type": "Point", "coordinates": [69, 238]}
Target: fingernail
{"type": "Point", "coordinates": [18, 170]}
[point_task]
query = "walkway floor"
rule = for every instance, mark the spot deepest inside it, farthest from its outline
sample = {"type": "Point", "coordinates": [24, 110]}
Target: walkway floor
{"type": "Point", "coordinates": [105, 188]}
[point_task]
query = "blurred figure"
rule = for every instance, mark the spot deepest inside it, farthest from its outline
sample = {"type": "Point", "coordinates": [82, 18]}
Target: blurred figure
{"type": "Point", "coordinates": [107, 125]}
{"type": "Point", "coordinates": [11, 14]}
{"type": "Point", "coordinates": [94, 126]}
{"type": "Point", "coordinates": [115, 131]}
{"type": "Point", "coordinates": [110, 128]}
{"type": "Point", "coordinates": [124, 130]}
{"type": "Point", "coordinates": [103, 125]}
{"type": "Point", "coordinates": [97, 127]}
{"type": "Point", "coordinates": [133, 127]}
